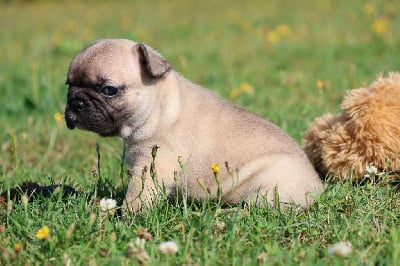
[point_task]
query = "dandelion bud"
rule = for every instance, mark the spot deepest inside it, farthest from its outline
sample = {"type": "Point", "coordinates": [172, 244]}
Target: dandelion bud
{"type": "Point", "coordinates": [113, 237]}
{"type": "Point", "coordinates": [154, 151]}
{"type": "Point", "coordinates": [228, 168]}
{"type": "Point", "coordinates": [203, 186]}
{"type": "Point", "coordinates": [180, 161]}
{"type": "Point", "coordinates": [70, 231]}
{"type": "Point", "coordinates": [92, 219]}
{"type": "Point", "coordinates": [10, 205]}
{"type": "Point", "coordinates": [18, 247]}
{"type": "Point", "coordinates": [2, 229]}
{"type": "Point", "coordinates": [25, 200]}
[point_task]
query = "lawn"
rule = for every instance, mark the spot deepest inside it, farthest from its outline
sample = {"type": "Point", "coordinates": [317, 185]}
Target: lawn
{"type": "Point", "coordinates": [289, 61]}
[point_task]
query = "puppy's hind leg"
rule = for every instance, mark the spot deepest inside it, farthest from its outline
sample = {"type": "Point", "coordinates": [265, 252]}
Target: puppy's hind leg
{"type": "Point", "coordinates": [289, 178]}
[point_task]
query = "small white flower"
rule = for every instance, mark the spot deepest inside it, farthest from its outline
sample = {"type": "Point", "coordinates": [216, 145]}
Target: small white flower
{"type": "Point", "coordinates": [169, 247]}
{"type": "Point", "coordinates": [341, 249]}
{"type": "Point", "coordinates": [138, 244]}
{"type": "Point", "coordinates": [107, 204]}
{"type": "Point", "coordinates": [371, 170]}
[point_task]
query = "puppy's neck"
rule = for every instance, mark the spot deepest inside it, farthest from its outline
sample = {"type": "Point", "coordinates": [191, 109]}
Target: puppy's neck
{"type": "Point", "coordinates": [164, 111]}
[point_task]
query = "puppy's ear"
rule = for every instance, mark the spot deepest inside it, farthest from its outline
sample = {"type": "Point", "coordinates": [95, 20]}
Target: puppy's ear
{"type": "Point", "coordinates": [154, 63]}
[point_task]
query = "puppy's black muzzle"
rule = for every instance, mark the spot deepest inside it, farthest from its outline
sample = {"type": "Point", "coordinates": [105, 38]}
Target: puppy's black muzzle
{"type": "Point", "coordinates": [74, 106]}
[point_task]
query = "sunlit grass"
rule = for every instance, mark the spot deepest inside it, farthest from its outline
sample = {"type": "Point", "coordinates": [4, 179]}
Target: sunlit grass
{"type": "Point", "coordinates": [288, 61]}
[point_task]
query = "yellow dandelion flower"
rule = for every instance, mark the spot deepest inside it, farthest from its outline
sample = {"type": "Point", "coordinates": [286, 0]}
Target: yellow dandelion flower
{"type": "Point", "coordinates": [272, 37]}
{"type": "Point", "coordinates": [320, 84]}
{"type": "Point", "coordinates": [246, 87]}
{"type": "Point", "coordinates": [234, 93]}
{"type": "Point", "coordinates": [283, 30]}
{"type": "Point", "coordinates": [369, 9]}
{"type": "Point", "coordinates": [43, 233]}
{"type": "Point", "coordinates": [215, 168]}
{"type": "Point", "coordinates": [380, 26]}
{"type": "Point", "coordinates": [58, 117]}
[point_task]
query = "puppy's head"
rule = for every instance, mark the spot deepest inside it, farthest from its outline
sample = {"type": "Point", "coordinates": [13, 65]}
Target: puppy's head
{"type": "Point", "coordinates": [111, 84]}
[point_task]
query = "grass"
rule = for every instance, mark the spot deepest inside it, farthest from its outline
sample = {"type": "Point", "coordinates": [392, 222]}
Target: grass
{"type": "Point", "coordinates": [288, 61]}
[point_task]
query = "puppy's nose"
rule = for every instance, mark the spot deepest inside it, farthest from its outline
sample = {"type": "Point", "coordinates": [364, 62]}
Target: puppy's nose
{"type": "Point", "coordinates": [76, 104]}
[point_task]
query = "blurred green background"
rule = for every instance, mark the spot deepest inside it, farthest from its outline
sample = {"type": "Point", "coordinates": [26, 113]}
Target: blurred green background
{"type": "Point", "coordinates": [289, 61]}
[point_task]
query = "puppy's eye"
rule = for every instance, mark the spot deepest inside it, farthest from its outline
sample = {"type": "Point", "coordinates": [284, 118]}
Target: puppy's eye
{"type": "Point", "coordinates": [109, 90]}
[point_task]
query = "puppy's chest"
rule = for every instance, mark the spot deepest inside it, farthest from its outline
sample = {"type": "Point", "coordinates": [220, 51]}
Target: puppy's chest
{"type": "Point", "coordinates": [134, 154]}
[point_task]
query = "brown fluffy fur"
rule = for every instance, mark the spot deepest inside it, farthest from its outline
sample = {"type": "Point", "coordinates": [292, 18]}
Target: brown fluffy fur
{"type": "Point", "coordinates": [366, 132]}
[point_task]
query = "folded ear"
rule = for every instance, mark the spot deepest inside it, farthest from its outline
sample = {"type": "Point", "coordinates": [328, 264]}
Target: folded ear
{"type": "Point", "coordinates": [155, 64]}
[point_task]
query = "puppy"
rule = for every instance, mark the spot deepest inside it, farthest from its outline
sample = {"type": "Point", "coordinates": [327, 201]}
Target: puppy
{"type": "Point", "coordinates": [122, 88]}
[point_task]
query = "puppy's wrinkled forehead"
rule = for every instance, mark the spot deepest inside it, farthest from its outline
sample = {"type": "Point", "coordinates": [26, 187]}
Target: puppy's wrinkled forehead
{"type": "Point", "coordinates": [105, 61]}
